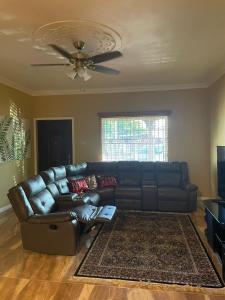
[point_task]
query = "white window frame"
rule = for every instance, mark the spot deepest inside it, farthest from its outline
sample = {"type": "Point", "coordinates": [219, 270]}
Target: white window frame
{"type": "Point", "coordinates": [137, 115]}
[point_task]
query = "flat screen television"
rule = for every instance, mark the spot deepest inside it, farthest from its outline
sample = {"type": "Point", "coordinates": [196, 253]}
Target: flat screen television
{"type": "Point", "coordinates": [221, 171]}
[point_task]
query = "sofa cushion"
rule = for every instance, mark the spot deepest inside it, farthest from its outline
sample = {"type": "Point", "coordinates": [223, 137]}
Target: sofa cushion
{"type": "Point", "coordinates": [59, 172]}
{"type": "Point", "coordinates": [43, 202]}
{"type": "Point", "coordinates": [129, 173]}
{"type": "Point", "coordinates": [148, 173]}
{"type": "Point", "coordinates": [33, 185]}
{"type": "Point", "coordinates": [172, 193]}
{"type": "Point", "coordinates": [168, 174]}
{"type": "Point", "coordinates": [75, 177]}
{"type": "Point", "coordinates": [128, 192]}
{"type": "Point", "coordinates": [53, 189]}
{"type": "Point", "coordinates": [168, 179]}
{"type": "Point", "coordinates": [62, 185]}
{"type": "Point", "coordinates": [77, 169]}
{"type": "Point", "coordinates": [48, 176]}
{"type": "Point", "coordinates": [20, 203]}
{"type": "Point", "coordinates": [102, 168]}
{"type": "Point", "coordinates": [106, 193]}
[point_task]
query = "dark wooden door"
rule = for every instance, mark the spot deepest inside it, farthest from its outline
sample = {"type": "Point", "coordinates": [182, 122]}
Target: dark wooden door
{"type": "Point", "coordinates": [54, 143]}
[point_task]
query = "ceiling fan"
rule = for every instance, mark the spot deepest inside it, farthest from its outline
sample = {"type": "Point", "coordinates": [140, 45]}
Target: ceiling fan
{"type": "Point", "coordinates": [81, 62]}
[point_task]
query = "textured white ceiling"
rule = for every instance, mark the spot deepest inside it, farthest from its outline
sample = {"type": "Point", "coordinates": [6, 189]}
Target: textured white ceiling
{"type": "Point", "coordinates": [164, 43]}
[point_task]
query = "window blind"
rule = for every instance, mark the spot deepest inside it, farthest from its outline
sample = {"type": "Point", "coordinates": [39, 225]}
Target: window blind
{"type": "Point", "coordinates": [135, 138]}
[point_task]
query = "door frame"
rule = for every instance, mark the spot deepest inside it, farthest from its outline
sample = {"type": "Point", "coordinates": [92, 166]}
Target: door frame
{"type": "Point", "coordinates": [35, 137]}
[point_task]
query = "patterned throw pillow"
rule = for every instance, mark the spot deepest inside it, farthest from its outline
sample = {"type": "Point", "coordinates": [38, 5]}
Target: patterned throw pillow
{"type": "Point", "coordinates": [78, 186]}
{"type": "Point", "coordinates": [107, 181]}
{"type": "Point", "coordinates": [91, 182]}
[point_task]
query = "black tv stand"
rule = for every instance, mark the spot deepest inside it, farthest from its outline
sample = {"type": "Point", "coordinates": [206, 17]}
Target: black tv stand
{"type": "Point", "coordinates": [215, 231]}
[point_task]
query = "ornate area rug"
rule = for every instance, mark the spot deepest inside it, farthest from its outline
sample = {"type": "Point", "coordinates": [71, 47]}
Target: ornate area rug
{"type": "Point", "coordinates": [152, 247]}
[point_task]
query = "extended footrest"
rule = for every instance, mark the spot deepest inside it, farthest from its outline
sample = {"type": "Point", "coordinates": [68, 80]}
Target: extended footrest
{"type": "Point", "coordinates": [106, 214]}
{"type": "Point", "coordinates": [89, 214]}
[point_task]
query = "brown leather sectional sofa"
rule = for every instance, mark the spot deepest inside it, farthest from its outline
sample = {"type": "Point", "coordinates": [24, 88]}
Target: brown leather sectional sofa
{"type": "Point", "coordinates": [154, 186]}
{"type": "Point", "coordinates": [52, 219]}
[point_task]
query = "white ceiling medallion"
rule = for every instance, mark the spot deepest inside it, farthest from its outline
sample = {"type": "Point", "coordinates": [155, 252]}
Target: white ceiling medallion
{"type": "Point", "coordinates": [84, 44]}
{"type": "Point", "coordinates": [98, 38]}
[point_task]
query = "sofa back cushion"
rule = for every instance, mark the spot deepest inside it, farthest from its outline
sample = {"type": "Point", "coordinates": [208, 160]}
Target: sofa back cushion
{"type": "Point", "coordinates": [53, 189]}
{"type": "Point", "coordinates": [148, 173]}
{"type": "Point", "coordinates": [129, 173]}
{"type": "Point", "coordinates": [168, 174]}
{"type": "Point", "coordinates": [20, 203]}
{"type": "Point", "coordinates": [49, 179]}
{"type": "Point", "coordinates": [77, 169]}
{"type": "Point", "coordinates": [59, 172]}
{"type": "Point", "coordinates": [38, 196]}
{"type": "Point", "coordinates": [42, 202]}
{"type": "Point", "coordinates": [62, 185]}
{"type": "Point", "coordinates": [48, 176]}
{"type": "Point", "coordinates": [102, 168]}
{"type": "Point", "coordinates": [33, 186]}
{"type": "Point", "coordinates": [60, 179]}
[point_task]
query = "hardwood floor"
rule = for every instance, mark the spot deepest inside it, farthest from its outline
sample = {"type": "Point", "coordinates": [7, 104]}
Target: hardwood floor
{"type": "Point", "coordinates": [29, 275]}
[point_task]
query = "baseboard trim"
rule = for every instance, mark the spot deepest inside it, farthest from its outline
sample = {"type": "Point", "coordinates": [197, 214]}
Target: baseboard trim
{"type": "Point", "coordinates": [5, 208]}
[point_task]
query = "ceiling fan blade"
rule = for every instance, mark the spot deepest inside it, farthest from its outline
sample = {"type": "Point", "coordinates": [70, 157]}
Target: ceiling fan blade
{"type": "Point", "coordinates": [105, 70]}
{"type": "Point", "coordinates": [105, 56]}
{"type": "Point", "coordinates": [62, 51]}
{"type": "Point", "coordinates": [49, 65]}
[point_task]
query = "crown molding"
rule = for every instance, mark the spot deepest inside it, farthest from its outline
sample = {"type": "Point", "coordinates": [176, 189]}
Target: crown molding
{"type": "Point", "coordinates": [15, 85]}
{"type": "Point", "coordinates": [133, 89]}
{"type": "Point", "coordinates": [217, 75]}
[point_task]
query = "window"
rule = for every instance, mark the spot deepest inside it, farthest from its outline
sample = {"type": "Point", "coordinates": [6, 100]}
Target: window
{"type": "Point", "coordinates": [135, 138]}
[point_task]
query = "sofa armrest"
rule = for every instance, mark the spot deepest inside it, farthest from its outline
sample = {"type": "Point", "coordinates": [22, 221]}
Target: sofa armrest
{"type": "Point", "coordinates": [59, 217]}
{"type": "Point", "coordinates": [65, 201]}
{"type": "Point", "coordinates": [190, 187]}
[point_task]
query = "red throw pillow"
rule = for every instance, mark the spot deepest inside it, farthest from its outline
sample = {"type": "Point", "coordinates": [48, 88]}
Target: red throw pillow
{"type": "Point", "coordinates": [107, 181]}
{"type": "Point", "coordinates": [78, 186]}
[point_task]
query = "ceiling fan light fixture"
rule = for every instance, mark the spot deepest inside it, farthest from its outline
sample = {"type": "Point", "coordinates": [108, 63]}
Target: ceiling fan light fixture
{"type": "Point", "coordinates": [72, 75]}
{"type": "Point", "coordinates": [83, 74]}
{"type": "Point", "coordinates": [87, 76]}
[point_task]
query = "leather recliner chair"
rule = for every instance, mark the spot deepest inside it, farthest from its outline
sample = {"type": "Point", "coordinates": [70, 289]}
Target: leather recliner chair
{"type": "Point", "coordinates": [52, 222]}
{"type": "Point", "coordinates": [52, 233]}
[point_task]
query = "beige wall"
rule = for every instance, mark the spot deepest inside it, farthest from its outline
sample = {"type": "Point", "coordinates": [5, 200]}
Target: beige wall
{"type": "Point", "coordinates": [217, 126]}
{"type": "Point", "coordinates": [14, 171]}
{"type": "Point", "coordinates": [188, 124]}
